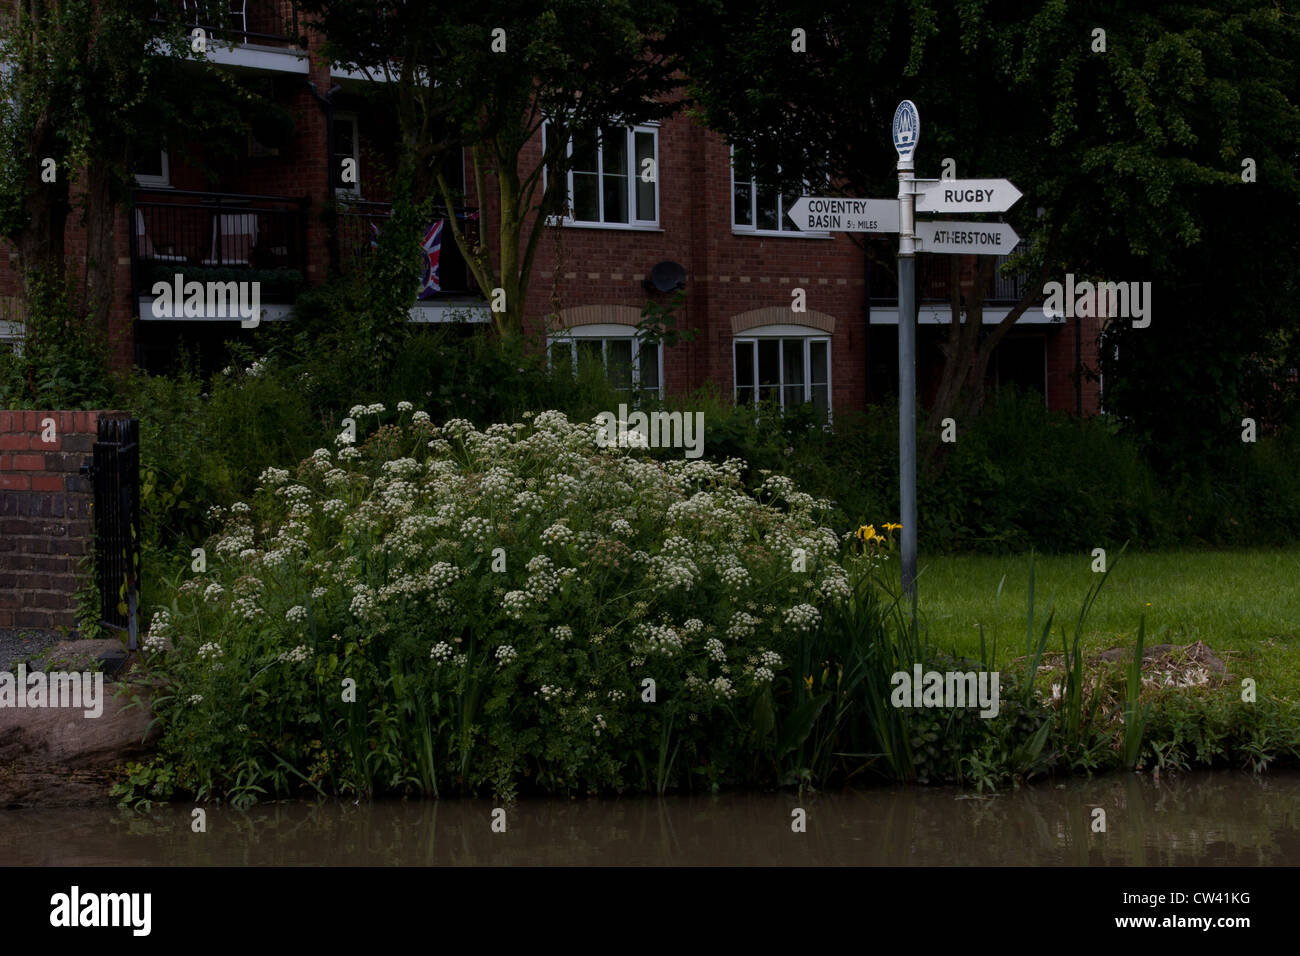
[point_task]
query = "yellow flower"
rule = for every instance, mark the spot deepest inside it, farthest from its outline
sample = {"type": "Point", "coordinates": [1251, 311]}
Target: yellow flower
{"type": "Point", "coordinates": [867, 532]}
{"type": "Point", "coordinates": [808, 681]}
{"type": "Point", "coordinates": [889, 526]}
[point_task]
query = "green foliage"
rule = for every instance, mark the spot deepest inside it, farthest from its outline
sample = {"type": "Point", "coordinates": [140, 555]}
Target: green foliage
{"type": "Point", "coordinates": [475, 668]}
{"type": "Point", "coordinates": [59, 361]}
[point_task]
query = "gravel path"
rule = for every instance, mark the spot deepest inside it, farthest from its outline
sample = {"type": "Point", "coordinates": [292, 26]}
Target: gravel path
{"type": "Point", "coordinates": [18, 645]}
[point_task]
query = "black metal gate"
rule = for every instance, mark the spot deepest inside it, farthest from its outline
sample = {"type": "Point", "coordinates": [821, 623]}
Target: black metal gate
{"type": "Point", "coordinates": [115, 473]}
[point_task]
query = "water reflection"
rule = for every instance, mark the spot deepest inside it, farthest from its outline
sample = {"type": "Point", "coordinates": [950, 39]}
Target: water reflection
{"type": "Point", "coordinates": [1195, 819]}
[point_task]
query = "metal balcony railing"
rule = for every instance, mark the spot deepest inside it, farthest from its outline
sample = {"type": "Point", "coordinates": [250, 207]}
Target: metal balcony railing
{"type": "Point", "coordinates": [934, 284]}
{"type": "Point", "coordinates": [358, 225]}
{"type": "Point", "coordinates": [211, 235]}
{"type": "Point", "coordinates": [261, 22]}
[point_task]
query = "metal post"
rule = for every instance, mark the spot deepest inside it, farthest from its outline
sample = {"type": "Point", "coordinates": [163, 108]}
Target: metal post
{"type": "Point", "coordinates": [907, 373]}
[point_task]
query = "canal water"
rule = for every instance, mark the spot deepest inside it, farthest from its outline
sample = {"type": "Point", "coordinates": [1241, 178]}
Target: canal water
{"type": "Point", "coordinates": [1185, 820]}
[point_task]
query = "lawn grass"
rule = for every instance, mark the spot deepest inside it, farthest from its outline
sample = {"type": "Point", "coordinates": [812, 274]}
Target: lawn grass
{"type": "Point", "coordinates": [1244, 604]}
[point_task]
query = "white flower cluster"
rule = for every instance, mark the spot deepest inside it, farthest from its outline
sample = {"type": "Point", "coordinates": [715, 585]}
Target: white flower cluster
{"type": "Point", "coordinates": [236, 540]}
{"type": "Point", "coordinates": [673, 572]}
{"type": "Point", "coordinates": [735, 578]}
{"type": "Point", "coordinates": [213, 592]}
{"type": "Point", "coordinates": [296, 614]}
{"type": "Point", "coordinates": [318, 593]}
{"type": "Point", "coordinates": [562, 633]}
{"type": "Point", "coordinates": [550, 692]}
{"type": "Point", "coordinates": [660, 638]}
{"type": "Point", "coordinates": [246, 608]}
{"type": "Point", "coordinates": [769, 658]}
{"type": "Point", "coordinates": [440, 651]}
{"type": "Point", "coordinates": [476, 528]}
{"type": "Point", "coordinates": [498, 481]}
{"type": "Point", "coordinates": [620, 527]}
{"type": "Point", "coordinates": [835, 587]}
{"type": "Point", "coordinates": [528, 503]}
{"type": "Point", "coordinates": [716, 650]}
{"type": "Point", "coordinates": [299, 655]}
{"type": "Point", "coordinates": [742, 625]}
{"type": "Point", "coordinates": [763, 675]}
{"type": "Point", "coordinates": [505, 654]}
{"type": "Point", "coordinates": [364, 605]}
{"type": "Point", "coordinates": [210, 651]}
{"type": "Point", "coordinates": [557, 535]}
{"type": "Point", "coordinates": [515, 603]}
{"type": "Point", "coordinates": [401, 466]}
{"type": "Point", "coordinates": [158, 630]}
{"type": "Point", "coordinates": [273, 476]}
{"type": "Point", "coordinates": [420, 417]}
{"type": "Point", "coordinates": [803, 617]}
{"type": "Point", "coordinates": [722, 687]}
{"type": "Point", "coordinates": [599, 724]}
{"type": "Point", "coordinates": [404, 406]}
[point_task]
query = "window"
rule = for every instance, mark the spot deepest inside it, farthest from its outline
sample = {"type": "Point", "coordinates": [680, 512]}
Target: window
{"type": "Point", "coordinates": [347, 145]}
{"type": "Point", "coordinates": [613, 177]}
{"type": "Point", "coordinates": [153, 169]}
{"type": "Point", "coordinates": [631, 365]}
{"type": "Point", "coordinates": [759, 208]}
{"type": "Point", "coordinates": [784, 366]}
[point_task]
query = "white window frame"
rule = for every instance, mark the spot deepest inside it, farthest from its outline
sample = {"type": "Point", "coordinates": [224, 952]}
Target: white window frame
{"type": "Point", "coordinates": [752, 229]}
{"type": "Point", "coordinates": [604, 332]}
{"type": "Point", "coordinates": [807, 337]}
{"type": "Point", "coordinates": [353, 190]}
{"type": "Point", "coordinates": [634, 174]}
{"type": "Point", "coordinates": [163, 181]}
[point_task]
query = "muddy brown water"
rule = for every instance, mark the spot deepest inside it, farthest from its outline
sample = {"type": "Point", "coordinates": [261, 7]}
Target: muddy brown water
{"type": "Point", "coordinates": [1192, 819]}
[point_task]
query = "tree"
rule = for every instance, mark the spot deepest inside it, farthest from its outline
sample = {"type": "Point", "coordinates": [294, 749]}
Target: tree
{"type": "Point", "coordinates": [1128, 142]}
{"type": "Point", "coordinates": [484, 77]}
{"type": "Point", "coordinates": [85, 82]}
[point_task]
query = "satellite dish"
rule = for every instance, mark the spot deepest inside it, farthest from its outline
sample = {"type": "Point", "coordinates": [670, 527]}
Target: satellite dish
{"type": "Point", "coordinates": [665, 277]}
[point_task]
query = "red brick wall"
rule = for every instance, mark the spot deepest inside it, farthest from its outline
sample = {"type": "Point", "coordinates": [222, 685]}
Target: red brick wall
{"type": "Point", "coordinates": [727, 273]}
{"type": "Point", "coordinates": [1062, 363]}
{"type": "Point", "coordinates": [44, 516]}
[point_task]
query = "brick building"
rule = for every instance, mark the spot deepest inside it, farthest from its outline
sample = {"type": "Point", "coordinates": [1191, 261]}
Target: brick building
{"type": "Point", "coordinates": [262, 214]}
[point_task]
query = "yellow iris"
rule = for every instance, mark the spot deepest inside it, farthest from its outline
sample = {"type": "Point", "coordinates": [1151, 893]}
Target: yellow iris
{"type": "Point", "coordinates": [867, 532]}
{"type": "Point", "coordinates": [808, 681]}
{"type": "Point", "coordinates": [892, 527]}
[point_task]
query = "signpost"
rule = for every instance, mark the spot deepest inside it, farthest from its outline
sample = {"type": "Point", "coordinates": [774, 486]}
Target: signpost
{"type": "Point", "coordinates": [907, 133]}
{"type": "Point", "coordinates": [967, 195]}
{"type": "Point", "coordinates": [833, 214]}
{"type": "Point", "coordinates": [967, 238]}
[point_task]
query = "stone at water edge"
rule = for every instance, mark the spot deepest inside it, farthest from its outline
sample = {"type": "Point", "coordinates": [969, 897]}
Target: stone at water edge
{"type": "Point", "coordinates": [56, 757]}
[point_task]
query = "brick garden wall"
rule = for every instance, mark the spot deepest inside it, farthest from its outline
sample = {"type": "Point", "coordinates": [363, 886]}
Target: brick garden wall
{"type": "Point", "coordinates": [45, 508]}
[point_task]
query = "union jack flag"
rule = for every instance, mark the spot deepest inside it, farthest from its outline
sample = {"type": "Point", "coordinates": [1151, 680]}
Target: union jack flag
{"type": "Point", "coordinates": [432, 247]}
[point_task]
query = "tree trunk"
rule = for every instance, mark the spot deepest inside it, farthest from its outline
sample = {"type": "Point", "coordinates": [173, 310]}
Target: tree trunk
{"type": "Point", "coordinates": [101, 260]}
{"type": "Point", "coordinates": [40, 241]}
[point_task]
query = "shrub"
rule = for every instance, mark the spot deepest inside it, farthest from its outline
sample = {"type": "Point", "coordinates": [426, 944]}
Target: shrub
{"type": "Point", "coordinates": [448, 609]}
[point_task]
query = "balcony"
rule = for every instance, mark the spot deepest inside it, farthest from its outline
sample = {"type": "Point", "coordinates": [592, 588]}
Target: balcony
{"type": "Point", "coordinates": [934, 288]}
{"type": "Point", "coordinates": [357, 230]}
{"type": "Point", "coordinates": [219, 237]}
{"type": "Point", "coordinates": [254, 35]}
